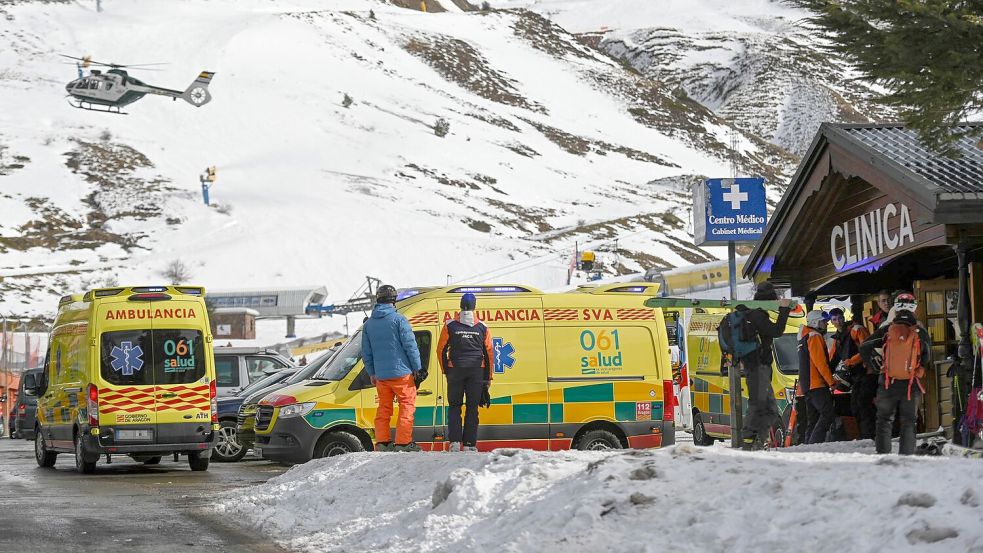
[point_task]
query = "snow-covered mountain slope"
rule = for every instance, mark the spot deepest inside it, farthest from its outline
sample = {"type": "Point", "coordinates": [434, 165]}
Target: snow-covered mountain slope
{"type": "Point", "coordinates": [550, 143]}
{"type": "Point", "coordinates": [756, 63]}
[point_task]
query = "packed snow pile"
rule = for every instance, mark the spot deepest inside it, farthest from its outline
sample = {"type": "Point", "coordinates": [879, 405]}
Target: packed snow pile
{"type": "Point", "coordinates": [681, 498]}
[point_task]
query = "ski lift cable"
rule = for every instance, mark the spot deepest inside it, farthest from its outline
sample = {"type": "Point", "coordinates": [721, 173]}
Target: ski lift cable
{"type": "Point", "coordinates": [536, 261]}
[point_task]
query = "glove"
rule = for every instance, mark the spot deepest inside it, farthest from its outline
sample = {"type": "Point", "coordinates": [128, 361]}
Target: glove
{"type": "Point", "coordinates": [419, 377]}
{"type": "Point", "coordinates": [485, 400]}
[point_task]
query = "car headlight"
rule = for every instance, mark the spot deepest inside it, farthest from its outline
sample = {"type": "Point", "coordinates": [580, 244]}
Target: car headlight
{"type": "Point", "coordinates": [296, 410]}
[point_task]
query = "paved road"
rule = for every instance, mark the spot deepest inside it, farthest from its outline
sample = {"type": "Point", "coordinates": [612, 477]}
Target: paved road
{"type": "Point", "coordinates": [125, 506]}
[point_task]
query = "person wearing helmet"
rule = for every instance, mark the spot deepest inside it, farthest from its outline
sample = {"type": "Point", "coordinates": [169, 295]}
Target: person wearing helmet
{"type": "Point", "coordinates": [905, 354]}
{"type": "Point", "coordinates": [815, 376]}
{"type": "Point", "coordinates": [762, 410]}
{"type": "Point", "coordinates": [846, 349]}
{"type": "Point", "coordinates": [467, 361]}
{"type": "Point", "coordinates": [392, 360]}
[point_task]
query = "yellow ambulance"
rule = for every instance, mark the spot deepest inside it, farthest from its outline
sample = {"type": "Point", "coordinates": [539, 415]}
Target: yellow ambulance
{"type": "Point", "coordinates": [587, 369]}
{"type": "Point", "coordinates": [129, 371]}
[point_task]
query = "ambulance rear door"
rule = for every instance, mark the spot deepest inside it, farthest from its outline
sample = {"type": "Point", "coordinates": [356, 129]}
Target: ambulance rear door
{"type": "Point", "coordinates": [181, 386]}
{"type": "Point", "coordinates": [124, 353]}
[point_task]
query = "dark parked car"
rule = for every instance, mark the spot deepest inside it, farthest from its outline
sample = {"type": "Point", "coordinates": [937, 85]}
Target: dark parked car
{"type": "Point", "coordinates": [26, 406]}
{"type": "Point", "coordinates": [229, 448]}
{"type": "Point", "coordinates": [247, 413]}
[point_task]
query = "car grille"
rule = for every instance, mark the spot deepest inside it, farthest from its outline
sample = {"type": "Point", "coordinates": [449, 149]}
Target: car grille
{"type": "Point", "coordinates": [241, 420]}
{"type": "Point", "coordinates": [263, 417]}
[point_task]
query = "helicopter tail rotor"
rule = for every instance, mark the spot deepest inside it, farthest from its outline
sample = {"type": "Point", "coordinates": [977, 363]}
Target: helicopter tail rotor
{"type": "Point", "coordinates": [197, 93]}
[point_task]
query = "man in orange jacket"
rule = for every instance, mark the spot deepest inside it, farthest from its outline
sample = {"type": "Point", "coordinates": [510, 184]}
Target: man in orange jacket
{"type": "Point", "coordinates": [468, 361]}
{"type": "Point", "coordinates": [815, 376]}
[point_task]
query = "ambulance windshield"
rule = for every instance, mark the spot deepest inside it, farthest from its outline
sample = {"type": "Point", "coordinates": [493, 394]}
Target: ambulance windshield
{"type": "Point", "coordinates": [152, 357]}
{"type": "Point", "coordinates": [342, 362]}
{"type": "Point", "coordinates": [787, 354]}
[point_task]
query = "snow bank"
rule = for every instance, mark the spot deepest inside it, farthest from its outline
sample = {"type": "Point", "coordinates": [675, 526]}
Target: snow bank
{"type": "Point", "coordinates": [681, 498]}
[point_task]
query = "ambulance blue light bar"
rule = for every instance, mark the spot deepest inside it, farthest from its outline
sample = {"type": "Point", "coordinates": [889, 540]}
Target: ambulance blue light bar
{"type": "Point", "coordinates": [403, 294]}
{"type": "Point", "coordinates": [488, 290]}
{"type": "Point", "coordinates": [631, 289]}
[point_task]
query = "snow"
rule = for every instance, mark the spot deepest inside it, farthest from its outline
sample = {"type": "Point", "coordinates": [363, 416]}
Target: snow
{"type": "Point", "coordinates": [309, 191]}
{"type": "Point", "coordinates": [825, 498]}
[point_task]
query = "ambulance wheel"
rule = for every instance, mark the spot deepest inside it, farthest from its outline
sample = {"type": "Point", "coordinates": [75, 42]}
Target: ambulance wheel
{"type": "Point", "coordinates": [45, 458]}
{"type": "Point", "coordinates": [598, 440]}
{"type": "Point", "coordinates": [700, 436]}
{"type": "Point", "coordinates": [155, 460]}
{"type": "Point", "coordinates": [81, 465]}
{"type": "Point", "coordinates": [337, 443]}
{"type": "Point", "coordinates": [228, 449]}
{"type": "Point", "coordinates": [197, 462]}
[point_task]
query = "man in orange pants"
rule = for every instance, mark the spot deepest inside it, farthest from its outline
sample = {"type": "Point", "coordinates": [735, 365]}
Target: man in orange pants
{"type": "Point", "coordinates": [392, 360]}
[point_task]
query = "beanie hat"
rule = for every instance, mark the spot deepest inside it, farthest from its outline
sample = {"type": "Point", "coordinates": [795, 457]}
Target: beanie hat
{"type": "Point", "coordinates": [765, 291]}
{"type": "Point", "coordinates": [468, 302]}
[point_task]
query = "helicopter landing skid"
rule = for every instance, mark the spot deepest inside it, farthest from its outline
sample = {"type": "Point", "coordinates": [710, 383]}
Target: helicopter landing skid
{"type": "Point", "coordinates": [79, 104]}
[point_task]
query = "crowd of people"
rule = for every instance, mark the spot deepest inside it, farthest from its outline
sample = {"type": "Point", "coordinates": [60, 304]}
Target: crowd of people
{"type": "Point", "coordinates": [879, 366]}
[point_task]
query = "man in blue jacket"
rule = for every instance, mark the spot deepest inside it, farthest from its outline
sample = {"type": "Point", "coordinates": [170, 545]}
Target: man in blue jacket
{"type": "Point", "coordinates": [392, 360]}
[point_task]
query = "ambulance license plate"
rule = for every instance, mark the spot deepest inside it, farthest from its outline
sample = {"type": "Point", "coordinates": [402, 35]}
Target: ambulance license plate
{"type": "Point", "coordinates": [134, 435]}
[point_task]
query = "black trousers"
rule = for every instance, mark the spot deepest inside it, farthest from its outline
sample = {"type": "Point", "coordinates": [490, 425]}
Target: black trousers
{"type": "Point", "coordinates": [762, 411]}
{"type": "Point", "coordinates": [862, 404]}
{"type": "Point", "coordinates": [891, 400]}
{"type": "Point", "coordinates": [464, 387]}
{"type": "Point", "coordinates": [821, 400]}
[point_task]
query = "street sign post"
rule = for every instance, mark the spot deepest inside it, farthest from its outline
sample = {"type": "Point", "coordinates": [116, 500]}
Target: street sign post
{"type": "Point", "coordinates": [730, 211]}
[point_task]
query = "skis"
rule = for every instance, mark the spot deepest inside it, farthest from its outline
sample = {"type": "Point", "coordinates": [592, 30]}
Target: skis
{"type": "Point", "coordinates": [767, 305]}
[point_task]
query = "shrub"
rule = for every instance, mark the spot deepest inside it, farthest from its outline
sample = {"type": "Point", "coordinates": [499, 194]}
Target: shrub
{"type": "Point", "coordinates": [441, 127]}
{"type": "Point", "coordinates": [176, 272]}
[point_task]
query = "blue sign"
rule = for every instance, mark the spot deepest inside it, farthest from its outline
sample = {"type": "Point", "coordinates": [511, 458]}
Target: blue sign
{"type": "Point", "coordinates": [503, 355]}
{"type": "Point", "coordinates": [126, 358]}
{"type": "Point", "coordinates": [729, 210]}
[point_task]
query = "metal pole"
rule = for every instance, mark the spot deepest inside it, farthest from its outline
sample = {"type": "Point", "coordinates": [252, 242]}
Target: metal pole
{"type": "Point", "coordinates": [4, 367]}
{"type": "Point", "coordinates": [963, 372]}
{"type": "Point", "coordinates": [736, 405]}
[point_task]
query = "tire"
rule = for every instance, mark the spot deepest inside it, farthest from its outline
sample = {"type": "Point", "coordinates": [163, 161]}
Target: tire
{"type": "Point", "coordinates": [337, 443]}
{"type": "Point", "coordinates": [598, 440]}
{"type": "Point", "coordinates": [153, 460]}
{"type": "Point", "coordinates": [778, 432]}
{"type": "Point", "coordinates": [45, 458]}
{"type": "Point", "coordinates": [197, 461]}
{"type": "Point", "coordinates": [228, 449]}
{"type": "Point", "coordinates": [700, 436]}
{"type": "Point", "coordinates": [81, 465]}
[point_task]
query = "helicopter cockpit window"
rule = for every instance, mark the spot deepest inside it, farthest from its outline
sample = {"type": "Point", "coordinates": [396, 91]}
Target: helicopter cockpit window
{"type": "Point", "coordinates": [109, 86]}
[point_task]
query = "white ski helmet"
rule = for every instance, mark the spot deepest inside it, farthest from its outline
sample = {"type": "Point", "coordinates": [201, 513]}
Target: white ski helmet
{"type": "Point", "coordinates": [817, 319]}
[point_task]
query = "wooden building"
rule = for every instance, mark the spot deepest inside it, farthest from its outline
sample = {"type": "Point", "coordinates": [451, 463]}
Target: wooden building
{"type": "Point", "coordinates": [871, 207]}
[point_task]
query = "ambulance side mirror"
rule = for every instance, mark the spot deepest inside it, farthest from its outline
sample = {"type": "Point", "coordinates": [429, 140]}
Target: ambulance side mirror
{"type": "Point", "coordinates": [31, 385]}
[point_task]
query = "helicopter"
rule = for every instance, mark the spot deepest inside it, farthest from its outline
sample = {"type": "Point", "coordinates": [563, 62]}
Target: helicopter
{"type": "Point", "coordinates": [109, 90]}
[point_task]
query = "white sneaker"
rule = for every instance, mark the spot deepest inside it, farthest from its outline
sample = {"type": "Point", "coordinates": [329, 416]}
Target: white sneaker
{"type": "Point", "coordinates": [455, 447]}
{"type": "Point", "coordinates": [470, 449]}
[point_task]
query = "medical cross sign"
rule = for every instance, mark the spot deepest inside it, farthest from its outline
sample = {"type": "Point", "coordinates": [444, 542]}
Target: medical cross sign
{"type": "Point", "coordinates": [729, 210]}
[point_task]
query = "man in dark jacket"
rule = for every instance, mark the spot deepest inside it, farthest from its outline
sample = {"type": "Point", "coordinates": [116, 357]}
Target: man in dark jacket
{"type": "Point", "coordinates": [899, 388]}
{"type": "Point", "coordinates": [467, 360]}
{"type": "Point", "coordinates": [846, 349]}
{"type": "Point", "coordinates": [761, 408]}
{"type": "Point", "coordinates": [392, 360]}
